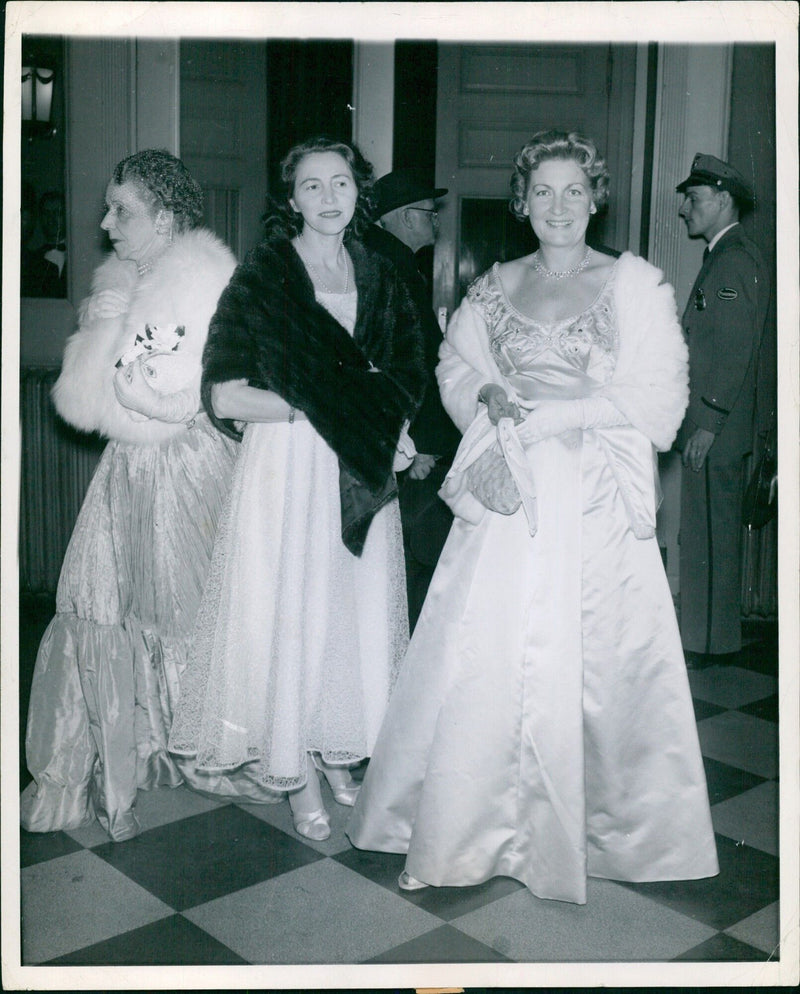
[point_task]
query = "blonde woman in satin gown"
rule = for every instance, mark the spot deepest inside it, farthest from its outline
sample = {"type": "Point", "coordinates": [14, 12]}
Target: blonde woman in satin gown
{"type": "Point", "coordinates": [542, 726]}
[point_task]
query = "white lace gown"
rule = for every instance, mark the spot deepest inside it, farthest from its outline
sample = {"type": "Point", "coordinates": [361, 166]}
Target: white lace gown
{"type": "Point", "coordinates": [298, 641]}
{"type": "Point", "coordinates": [542, 725]}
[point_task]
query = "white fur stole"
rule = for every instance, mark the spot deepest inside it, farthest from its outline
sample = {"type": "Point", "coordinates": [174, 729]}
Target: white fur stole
{"type": "Point", "coordinates": [182, 290]}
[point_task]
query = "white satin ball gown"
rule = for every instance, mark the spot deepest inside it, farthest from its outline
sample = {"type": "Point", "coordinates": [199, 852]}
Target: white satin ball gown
{"type": "Point", "coordinates": [542, 725]}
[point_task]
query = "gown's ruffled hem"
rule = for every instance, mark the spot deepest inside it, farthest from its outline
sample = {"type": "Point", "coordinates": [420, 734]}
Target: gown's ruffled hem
{"type": "Point", "coordinates": [101, 702]}
{"type": "Point", "coordinates": [49, 806]}
{"type": "Point", "coordinates": [248, 779]}
{"type": "Point", "coordinates": [297, 641]}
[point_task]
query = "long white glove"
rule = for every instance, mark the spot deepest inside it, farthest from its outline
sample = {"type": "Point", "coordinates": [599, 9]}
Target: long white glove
{"type": "Point", "coordinates": [553, 417]}
{"type": "Point", "coordinates": [107, 304]}
{"type": "Point", "coordinates": [405, 452]}
{"type": "Point", "coordinates": [135, 393]}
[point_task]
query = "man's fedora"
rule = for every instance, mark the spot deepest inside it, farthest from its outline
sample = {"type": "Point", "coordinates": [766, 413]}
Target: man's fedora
{"type": "Point", "coordinates": [401, 187]}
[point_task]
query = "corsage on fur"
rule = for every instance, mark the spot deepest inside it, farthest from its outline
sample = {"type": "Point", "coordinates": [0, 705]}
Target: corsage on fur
{"type": "Point", "coordinates": [180, 291]}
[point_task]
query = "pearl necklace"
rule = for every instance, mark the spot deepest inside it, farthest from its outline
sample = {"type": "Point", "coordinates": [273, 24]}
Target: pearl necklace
{"type": "Point", "coordinates": [315, 271]}
{"type": "Point", "coordinates": [143, 267]}
{"type": "Point", "coordinates": [551, 275]}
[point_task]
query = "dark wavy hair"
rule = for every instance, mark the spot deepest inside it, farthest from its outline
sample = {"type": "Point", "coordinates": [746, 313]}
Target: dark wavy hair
{"type": "Point", "coordinates": [166, 183]}
{"type": "Point", "coordinates": [281, 220]}
{"type": "Point", "coordinates": [555, 144]}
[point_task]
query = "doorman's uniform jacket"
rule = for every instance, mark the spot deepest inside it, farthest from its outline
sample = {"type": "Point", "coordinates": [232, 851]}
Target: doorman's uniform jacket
{"type": "Point", "coordinates": [356, 391]}
{"type": "Point", "coordinates": [723, 323]}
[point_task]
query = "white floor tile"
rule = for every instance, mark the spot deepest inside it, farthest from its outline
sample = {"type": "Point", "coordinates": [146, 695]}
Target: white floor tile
{"type": "Point", "coordinates": [323, 913]}
{"type": "Point", "coordinates": [77, 900]}
{"type": "Point", "coordinates": [761, 930]}
{"type": "Point", "coordinates": [751, 817]}
{"type": "Point", "coordinates": [741, 740]}
{"type": "Point", "coordinates": [615, 925]}
{"type": "Point", "coordinates": [168, 804]}
{"type": "Point", "coordinates": [731, 686]}
{"type": "Point", "coordinates": [90, 836]}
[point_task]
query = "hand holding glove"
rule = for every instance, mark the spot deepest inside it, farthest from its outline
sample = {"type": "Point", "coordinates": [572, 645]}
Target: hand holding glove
{"type": "Point", "coordinates": [135, 393]}
{"type": "Point", "coordinates": [106, 304]}
{"type": "Point", "coordinates": [497, 403]}
{"type": "Point", "coordinates": [406, 451]}
{"type": "Point", "coordinates": [422, 466]}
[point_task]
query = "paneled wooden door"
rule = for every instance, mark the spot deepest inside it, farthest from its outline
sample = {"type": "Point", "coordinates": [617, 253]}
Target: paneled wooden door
{"type": "Point", "coordinates": [223, 134]}
{"type": "Point", "coordinates": [491, 99]}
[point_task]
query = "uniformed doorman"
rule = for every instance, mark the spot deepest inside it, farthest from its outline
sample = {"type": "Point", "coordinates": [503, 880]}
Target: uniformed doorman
{"type": "Point", "coordinates": [723, 324]}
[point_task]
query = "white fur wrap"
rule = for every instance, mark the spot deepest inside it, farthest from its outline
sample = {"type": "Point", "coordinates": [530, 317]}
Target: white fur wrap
{"type": "Point", "coordinates": [650, 383]}
{"type": "Point", "coordinates": [182, 289]}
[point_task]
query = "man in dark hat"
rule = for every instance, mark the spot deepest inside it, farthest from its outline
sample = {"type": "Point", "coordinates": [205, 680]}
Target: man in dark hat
{"type": "Point", "coordinates": [723, 324]}
{"type": "Point", "coordinates": [407, 223]}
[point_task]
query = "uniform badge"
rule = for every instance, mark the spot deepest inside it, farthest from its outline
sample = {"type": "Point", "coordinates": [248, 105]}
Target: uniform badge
{"type": "Point", "coordinates": [727, 293]}
{"type": "Point", "coordinates": [700, 300]}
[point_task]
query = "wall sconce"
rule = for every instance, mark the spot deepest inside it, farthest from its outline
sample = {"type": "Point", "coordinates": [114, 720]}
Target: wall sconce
{"type": "Point", "coordinates": [37, 101]}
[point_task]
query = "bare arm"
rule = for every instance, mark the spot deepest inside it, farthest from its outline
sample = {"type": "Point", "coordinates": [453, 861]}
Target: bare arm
{"type": "Point", "coordinates": [235, 400]}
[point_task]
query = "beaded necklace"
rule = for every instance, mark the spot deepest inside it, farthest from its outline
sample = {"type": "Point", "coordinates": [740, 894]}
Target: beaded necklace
{"type": "Point", "coordinates": [316, 273]}
{"type": "Point", "coordinates": [552, 275]}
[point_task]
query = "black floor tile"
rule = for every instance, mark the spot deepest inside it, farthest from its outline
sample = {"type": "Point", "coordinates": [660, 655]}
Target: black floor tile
{"type": "Point", "coordinates": [723, 948]}
{"type": "Point", "coordinates": [705, 709]}
{"type": "Point", "coordinates": [449, 903]}
{"type": "Point", "coordinates": [726, 781]}
{"type": "Point", "coordinates": [446, 903]}
{"type": "Point", "coordinates": [37, 847]}
{"type": "Point", "coordinates": [198, 859]}
{"type": "Point", "coordinates": [442, 945]}
{"type": "Point", "coordinates": [173, 941]}
{"type": "Point", "coordinates": [767, 708]}
{"type": "Point", "coordinates": [379, 867]}
{"type": "Point", "coordinates": [746, 883]}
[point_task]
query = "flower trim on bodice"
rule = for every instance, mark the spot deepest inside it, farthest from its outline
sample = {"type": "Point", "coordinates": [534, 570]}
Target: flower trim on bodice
{"type": "Point", "coordinates": [572, 337]}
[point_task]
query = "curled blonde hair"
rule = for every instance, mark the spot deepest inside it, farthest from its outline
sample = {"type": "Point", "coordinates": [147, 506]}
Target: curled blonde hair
{"type": "Point", "coordinates": [555, 144]}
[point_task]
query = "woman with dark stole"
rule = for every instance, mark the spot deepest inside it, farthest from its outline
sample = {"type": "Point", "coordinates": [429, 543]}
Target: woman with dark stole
{"type": "Point", "coordinates": [315, 359]}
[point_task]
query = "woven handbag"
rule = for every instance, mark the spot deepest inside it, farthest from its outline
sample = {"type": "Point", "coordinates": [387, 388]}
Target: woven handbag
{"type": "Point", "coordinates": [489, 479]}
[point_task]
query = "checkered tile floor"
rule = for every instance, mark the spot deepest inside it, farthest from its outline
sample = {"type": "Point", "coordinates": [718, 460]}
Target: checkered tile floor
{"type": "Point", "coordinates": [211, 883]}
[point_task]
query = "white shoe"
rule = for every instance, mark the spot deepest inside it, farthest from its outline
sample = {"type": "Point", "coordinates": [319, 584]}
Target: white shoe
{"type": "Point", "coordinates": [344, 789]}
{"type": "Point", "coordinates": [316, 825]}
{"type": "Point", "coordinates": [406, 882]}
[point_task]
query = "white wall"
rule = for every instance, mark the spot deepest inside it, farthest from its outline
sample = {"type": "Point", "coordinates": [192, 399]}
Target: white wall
{"type": "Point", "coordinates": [121, 96]}
{"type": "Point", "coordinates": [373, 93]}
{"type": "Point", "coordinates": [691, 115]}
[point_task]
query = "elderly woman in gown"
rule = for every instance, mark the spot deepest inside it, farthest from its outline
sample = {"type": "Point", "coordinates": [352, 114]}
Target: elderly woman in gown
{"type": "Point", "coordinates": [108, 671]}
{"type": "Point", "coordinates": [542, 726]}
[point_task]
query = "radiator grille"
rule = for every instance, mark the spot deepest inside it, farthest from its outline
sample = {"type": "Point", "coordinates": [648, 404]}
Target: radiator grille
{"type": "Point", "coordinates": [57, 465]}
